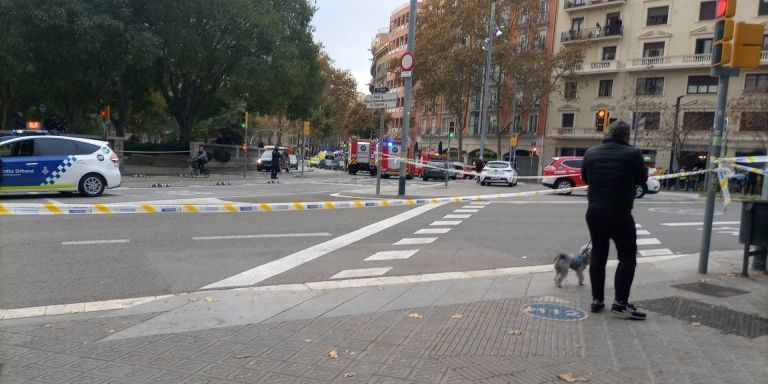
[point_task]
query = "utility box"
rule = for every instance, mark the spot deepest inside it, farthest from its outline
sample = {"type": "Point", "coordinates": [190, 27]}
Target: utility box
{"type": "Point", "coordinates": [754, 231]}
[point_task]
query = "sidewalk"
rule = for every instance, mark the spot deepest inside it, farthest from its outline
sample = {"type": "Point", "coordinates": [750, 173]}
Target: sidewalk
{"type": "Point", "coordinates": [510, 326]}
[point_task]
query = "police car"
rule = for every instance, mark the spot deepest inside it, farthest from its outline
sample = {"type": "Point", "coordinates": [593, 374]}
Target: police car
{"type": "Point", "coordinates": [57, 163]}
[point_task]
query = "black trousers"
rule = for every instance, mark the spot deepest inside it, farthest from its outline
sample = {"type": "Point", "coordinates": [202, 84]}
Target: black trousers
{"type": "Point", "coordinates": [605, 225]}
{"type": "Point", "coordinates": [274, 172]}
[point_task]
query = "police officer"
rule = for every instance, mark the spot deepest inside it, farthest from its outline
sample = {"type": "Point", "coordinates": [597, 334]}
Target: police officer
{"type": "Point", "coordinates": [275, 164]}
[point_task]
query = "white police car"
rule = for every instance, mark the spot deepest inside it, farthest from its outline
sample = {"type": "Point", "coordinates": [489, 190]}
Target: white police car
{"type": "Point", "coordinates": [57, 163]}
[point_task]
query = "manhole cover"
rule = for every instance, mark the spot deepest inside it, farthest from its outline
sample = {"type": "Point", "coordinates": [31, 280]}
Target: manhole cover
{"type": "Point", "coordinates": [714, 316]}
{"type": "Point", "coordinates": [554, 311]}
{"type": "Point", "coordinates": [708, 289]}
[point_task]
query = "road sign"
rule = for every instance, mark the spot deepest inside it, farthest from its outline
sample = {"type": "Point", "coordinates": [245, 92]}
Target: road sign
{"type": "Point", "coordinates": [381, 104]}
{"type": "Point", "coordinates": [513, 141]}
{"type": "Point", "coordinates": [407, 61]}
{"type": "Point", "coordinates": [381, 97]}
{"type": "Point", "coordinates": [406, 74]}
{"type": "Point", "coordinates": [382, 89]}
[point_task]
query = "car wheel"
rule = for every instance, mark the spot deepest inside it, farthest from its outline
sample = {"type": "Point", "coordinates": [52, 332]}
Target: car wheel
{"type": "Point", "coordinates": [483, 183]}
{"type": "Point", "coordinates": [510, 184]}
{"type": "Point", "coordinates": [640, 191]}
{"type": "Point", "coordinates": [564, 183]}
{"type": "Point", "coordinates": [92, 185]}
{"type": "Point", "coordinates": [425, 178]}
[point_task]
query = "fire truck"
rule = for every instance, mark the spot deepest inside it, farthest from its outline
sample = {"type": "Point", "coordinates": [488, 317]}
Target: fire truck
{"type": "Point", "coordinates": [427, 154]}
{"type": "Point", "coordinates": [390, 162]}
{"type": "Point", "coordinates": [362, 156]}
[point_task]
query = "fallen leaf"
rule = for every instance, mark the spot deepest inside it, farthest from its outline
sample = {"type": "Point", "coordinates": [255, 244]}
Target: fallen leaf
{"type": "Point", "coordinates": [307, 340]}
{"type": "Point", "coordinates": [415, 316]}
{"type": "Point", "coordinates": [696, 323]}
{"type": "Point", "coordinates": [457, 316]}
{"type": "Point", "coordinates": [528, 309]}
{"type": "Point", "coordinates": [515, 332]}
{"type": "Point", "coordinates": [350, 374]}
{"type": "Point", "coordinates": [111, 331]}
{"type": "Point", "coordinates": [193, 299]}
{"type": "Point", "coordinates": [572, 378]}
{"type": "Point", "coordinates": [333, 354]}
{"type": "Point", "coordinates": [211, 299]}
{"type": "Point", "coordinates": [352, 353]}
{"type": "Point", "coordinates": [243, 356]}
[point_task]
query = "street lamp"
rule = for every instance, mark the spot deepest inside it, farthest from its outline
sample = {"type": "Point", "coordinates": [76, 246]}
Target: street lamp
{"type": "Point", "coordinates": [485, 121]}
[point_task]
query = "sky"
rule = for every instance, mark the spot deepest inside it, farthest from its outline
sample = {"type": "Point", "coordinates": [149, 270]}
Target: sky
{"type": "Point", "coordinates": [346, 29]}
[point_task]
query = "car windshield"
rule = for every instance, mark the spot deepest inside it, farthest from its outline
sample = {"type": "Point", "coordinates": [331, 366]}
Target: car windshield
{"type": "Point", "coordinates": [267, 154]}
{"type": "Point", "coordinates": [497, 165]}
{"type": "Point", "coordinates": [436, 164]}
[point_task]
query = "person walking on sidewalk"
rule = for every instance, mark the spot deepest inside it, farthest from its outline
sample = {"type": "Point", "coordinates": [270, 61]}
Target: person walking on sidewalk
{"type": "Point", "coordinates": [612, 170]}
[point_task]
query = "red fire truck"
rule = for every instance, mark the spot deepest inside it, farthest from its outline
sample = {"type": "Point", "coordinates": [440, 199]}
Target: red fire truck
{"type": "Point", "coordinates": [427, 154]}
{"type": "Point", "coordinates": [362, 156]}
{"type": "Point", "coordinates": [390, 162]}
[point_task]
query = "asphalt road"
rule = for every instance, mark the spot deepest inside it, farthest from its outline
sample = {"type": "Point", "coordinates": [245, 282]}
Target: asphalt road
{"type": "Point", "coordinates": [48, 260]}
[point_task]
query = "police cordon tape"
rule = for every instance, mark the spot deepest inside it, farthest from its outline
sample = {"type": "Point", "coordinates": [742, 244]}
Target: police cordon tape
{"type": "Point", "coordinates": [724, 172]}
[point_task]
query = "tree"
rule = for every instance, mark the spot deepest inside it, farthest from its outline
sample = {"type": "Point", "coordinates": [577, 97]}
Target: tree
{"type": "Point", "coordinates": [340, 92]}
{"type": "Point", "coordinates": [364, 122]}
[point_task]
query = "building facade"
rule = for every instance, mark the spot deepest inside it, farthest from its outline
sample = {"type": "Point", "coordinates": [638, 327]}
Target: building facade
{"type": "Point", "coordinates": [648, 63]}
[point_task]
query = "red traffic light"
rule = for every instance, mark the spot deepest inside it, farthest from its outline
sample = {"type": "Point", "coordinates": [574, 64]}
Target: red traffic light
{"type": "Point", "coordinates": [725, 8]}
{"type": "Point", "coordinates": [601, 113]}
{"type": "Point", "coordinates": [534, 151]}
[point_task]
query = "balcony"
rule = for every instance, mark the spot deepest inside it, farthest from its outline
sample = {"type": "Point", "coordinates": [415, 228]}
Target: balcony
{"type": "Point", "coordinates": [764, 58]}
{"type": "Point", "coordinates": [525, 20]}
{"type": "Point", "coordinates": [590, 34]}
{"type": "Point", "coordinates": [396, 50]}
{"type": "Point", "coordinates": [600, 67]}
{"type": "Point", "coordinates": [579, 133]}
{"type": "Point", "coordinates": [666, 62]}
{"type": "Point", "coordinates": [577, 5]}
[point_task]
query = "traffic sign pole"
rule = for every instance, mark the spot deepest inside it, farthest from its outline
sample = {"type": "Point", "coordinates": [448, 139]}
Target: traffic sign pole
{"type": "Point", "coordinates": [407, 106]}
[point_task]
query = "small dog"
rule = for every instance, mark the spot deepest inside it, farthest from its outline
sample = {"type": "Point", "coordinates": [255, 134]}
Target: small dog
{"type": "Point", "coordinates": [578, 263]}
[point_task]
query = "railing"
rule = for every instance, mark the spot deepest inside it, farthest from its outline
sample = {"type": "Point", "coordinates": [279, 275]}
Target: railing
{"type": "Point", "coordinates": [590, 34]}
{"type": "Point", "coordinates": [576, 4]}
{"type": "Point", "coordinates": [764, 58]}
{"type": "Point", "coordinates": [600, 66]}
{"type": "Point", "coordinates": [396, 50]}
{"type": "Point", "coordinates": [400, 28]}
{"type": "Point", "coordinates": [590, 132]}
{"type": "Point", "coordinates": [703, 59]}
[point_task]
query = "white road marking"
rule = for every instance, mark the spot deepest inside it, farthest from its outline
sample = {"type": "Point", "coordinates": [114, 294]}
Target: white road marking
{"type": "Point", "coordinates": [642, 232]}
{"type": "Point", "coordinates": [465, 210]}
{"type": "Point", "coordinates": [262, 236]}
{"type": "Point", "coordinates": [648, 241]}
{"type": "Point", "coordinates": [457, 216]}
{"type": "Point", "coordinates": [294, 260]}
{"type": "Point", "coordinates": [431, 231]}
{"type": "Point", "coordinates": [699, 223]}
{"type": "Point", "coordinates": [473, 207]}
{"type": "Point", "coordinates": [392, 255]}
{"type": "Point", "coordinates": [416, 240]}
{"type": "Point", "coordinates": [480, 202]}
{"type": "Point", "coordinates": [450, 222]}
{"type": "Point", "coordinates": [365, 272]}
{"type": "Point", "coordinates": [638, 226]}
{"type": "Point", "coordinates": [91, 242]}
{"type": "Point", "coordinates": [655, 252]}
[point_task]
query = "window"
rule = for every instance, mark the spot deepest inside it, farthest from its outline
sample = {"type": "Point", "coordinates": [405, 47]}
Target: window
{"type": "Point", "coordinates": [757, 83]}
{"type": "Point", "coordinates": [707, 10]}
{"type": "Point", "coordinates": [570, 90]}
{"type": "Point", "coordinates": [54, 147]}
{"type": "Point", "coordinates": [698, 121]}
{"type": "Point", "coordinates": [650, 86]}
{"type": "Point", "coordinates": [754, 121]}
{"type": "Point", "coordinates": [522, 44]}
{"type": "Point", "coordinates": [533, 123]}
{"type": "Point", "coordinates": [609, 53]}
{"type": "Point", "coordinates": [573, 163]}
{"type": "Point", "coordinates": [653, 49]}
{"type": "Point", "coordinates": [702, 84]}
{"type": "Point", "coordinates": [762, 8]}
{"type": "Point", "coordinates": [18, 148]}
{"type": "Point", "coordinates": [577, 24]}
{"type": "Point", "coordinates": [649, 120]}
{"type": "Point", "coordinates": [605, 89]}
{"type": "Point", "coordinates": [657, 15]}
{"type": "Point", "coordinates": [568, 120]}
{"type": "Point", "coordinates": [703, 46]}
{"type": "Point", "coordinates": [765, 43]}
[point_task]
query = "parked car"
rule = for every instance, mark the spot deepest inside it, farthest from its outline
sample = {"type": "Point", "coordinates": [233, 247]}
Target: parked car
{"type": "Point", "coordinates": [328, 162]}
{"type": "Point", "coordinates": [498, 172]}
{"type": "Point", "coordinates": [437, 170]}
{"type": "Point", "coordinates": [293, 162]}
{"type": "Point", "coordinates": [57, 163]}
{"type": "Point", "coordinates": [565, 172]}
{"type": "Point", "coordinates": [461, 170]}
{"type": "Point", "coordinates": [316, 160]}
{"type": "Point", "coordinates": [264, 162]}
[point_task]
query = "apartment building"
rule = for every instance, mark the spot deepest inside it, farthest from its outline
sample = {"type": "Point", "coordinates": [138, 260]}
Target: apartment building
{"type": "Point", "coordinates": [648, 63]}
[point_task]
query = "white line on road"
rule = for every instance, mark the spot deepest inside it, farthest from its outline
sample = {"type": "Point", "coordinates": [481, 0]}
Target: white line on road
{"type": "Point", "coordinates": [449, 222]}
{"type": "Point", "coordinates": [699, 223]}
{"type": "Point", "coordinates": [466, 210]}
{"type": "Point", "coordinates": [416, 240]}
{"type": "Point", "coordinates": [294, 260]}
{"type": "Point", "coordinates": [392, 255]}
{"type": "Point", "coordinates": [262, 236]}
{"type": "Point", "coordinates": [638, 226]}
{"type": "Point", "coordinates": [473, 207]}
{"type": "Point", "coordinates": [457, 216]}
{"type": "Point", "coordinates": [365, 272]}
{"type": "Point", "coordinates": [648, 241]}
{"type": "Point", "coordinates": [91, 242]}
{"type": "Point", "coordinates": [655, 252]}
{"type": "Point", "coordinates": [642, 232]}
{"type": "Point", "coordinates": [431, 231]}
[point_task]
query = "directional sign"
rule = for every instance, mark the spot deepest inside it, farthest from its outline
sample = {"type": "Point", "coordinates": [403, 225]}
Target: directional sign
{"type": "Point", "coordinates": [381, 104]}
{"type": "Point", "coordinates": [381, 97]}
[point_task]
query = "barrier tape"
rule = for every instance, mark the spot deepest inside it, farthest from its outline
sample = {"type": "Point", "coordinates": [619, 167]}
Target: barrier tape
{"type": "Point", "coordinates": [743, 159]}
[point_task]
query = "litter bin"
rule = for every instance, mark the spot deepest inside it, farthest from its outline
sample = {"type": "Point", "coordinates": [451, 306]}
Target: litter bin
{"type": "Point", "coordinates": [754, 231]}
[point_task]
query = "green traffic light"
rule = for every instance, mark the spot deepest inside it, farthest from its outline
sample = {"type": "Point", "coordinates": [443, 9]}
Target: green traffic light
{"type": "Point", "coordinates": [451, 135]}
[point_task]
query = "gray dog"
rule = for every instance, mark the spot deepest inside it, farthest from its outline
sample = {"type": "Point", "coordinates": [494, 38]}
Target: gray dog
{"type": "Point", "coordinates": [578, 263]}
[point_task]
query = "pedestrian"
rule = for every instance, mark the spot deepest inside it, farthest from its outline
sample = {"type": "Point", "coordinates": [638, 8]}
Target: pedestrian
{"type": "Point", "coordinates": [275, 164]}
{"type": "Point", "coordinates": [666, 181]}
{"type": "Point", "coordinates": [613, 170]}
{"type": "Point", "coordinates": [201, 157]}
{"type": "Point", "coordinates": [598, 28]}
{"type": "Point", "coordinates": [692, 179]}
{"type": "Point", "coordinates": [19, 122]}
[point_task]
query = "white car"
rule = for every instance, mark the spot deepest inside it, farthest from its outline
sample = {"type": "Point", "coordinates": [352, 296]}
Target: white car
{"type": "Point", "coordinates": [653, 185]}
{"type": "Point", "coordinates": [57, 163]}
{"type": "Point", "coordinates": [498, 172]}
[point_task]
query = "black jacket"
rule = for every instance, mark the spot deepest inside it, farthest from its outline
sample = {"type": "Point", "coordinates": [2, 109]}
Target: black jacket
{"type": "Point", "coordinates": [275, 159]}
{"type": "Point", "coordinates": [613, 170]}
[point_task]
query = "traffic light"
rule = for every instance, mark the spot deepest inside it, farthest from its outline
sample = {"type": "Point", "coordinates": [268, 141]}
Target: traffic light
{"type": "Point", "coordinates": [724, 26]}
{"type": "Point", "coordinates": [747, 45]}
{"type": "Point", "coordinates": [440, 146]}
{"type": "Point", "coordinates": [105, 113]}
{"type": "Point", "coordinates": [603, 119]}
{"type": "Point", "coordinates": [244, 122]}
{"type": "Point", "coordinates": [534, 151]}
{"type": "Point", "coordinates": [451, 130]}
{"type": "Point", "coordinates": [245, 147]}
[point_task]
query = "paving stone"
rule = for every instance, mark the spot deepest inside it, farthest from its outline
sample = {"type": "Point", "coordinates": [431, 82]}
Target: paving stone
{"type": "Point", "coordinates": [167, 377]}
{"type": "Point", "coordinates": [275, 378]}
{"type": "Point", "coordinates": [426, 376]}
{"type": "Point", "coordinates": [89, 378]}
{"type": "Point", "coordinates": [58, 361]}
{"type": "Point", "coordinates": [84, 364]}
{"type": "Point", "coordinates": [246, 375]}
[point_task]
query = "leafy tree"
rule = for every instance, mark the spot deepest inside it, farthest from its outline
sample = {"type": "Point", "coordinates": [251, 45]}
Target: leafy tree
{"type": "Point", "coordinates": [364, 122]}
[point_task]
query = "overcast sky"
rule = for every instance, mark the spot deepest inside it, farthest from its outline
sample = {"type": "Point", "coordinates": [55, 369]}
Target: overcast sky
{"type": "Point", "coordinates": [346, 29]}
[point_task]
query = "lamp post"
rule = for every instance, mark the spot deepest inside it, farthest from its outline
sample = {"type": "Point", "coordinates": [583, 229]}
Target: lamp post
{"type": "Point", "coordinates": [672, 161]}
{"type": "Point", "coordinates": [485, 120]}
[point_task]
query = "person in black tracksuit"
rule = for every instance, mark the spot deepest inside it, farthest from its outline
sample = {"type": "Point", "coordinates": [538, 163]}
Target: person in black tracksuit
{"type": "Point", "coordinates": [612, 171]}
{"type": "Point", "coordinates": [275, 164]}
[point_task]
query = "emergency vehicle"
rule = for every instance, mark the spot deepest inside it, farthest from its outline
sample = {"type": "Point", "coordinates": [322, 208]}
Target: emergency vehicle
{"type": "Point", "coordinates": [390, 161]}
{"type": "Point", "coordinates": [362, 156]}
{"type": "Point", "coordinates": [427, 154]}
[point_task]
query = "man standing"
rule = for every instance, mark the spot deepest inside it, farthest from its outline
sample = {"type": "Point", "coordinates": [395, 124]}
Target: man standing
{"type": "Point", "coordinates": [275, 163]}
{"type": "Point", "coordinates": [201, 157]}
{"type": "Point", "coordinates": [612, 171]}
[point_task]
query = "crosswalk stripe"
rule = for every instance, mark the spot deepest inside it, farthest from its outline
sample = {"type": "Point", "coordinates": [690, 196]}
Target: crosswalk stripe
{"type": "Point", "coordinates": [648, 241]}
{"type": "Point", "coordinates": [431, 231]}
{"type": "Point", "coordinates": [447, 222]}
{"type": "Point", "coordinates": [465, 210]}
{"type": "Point", "coordinates": [392, 255]}
{"type": "Point", "coordinates": [457, 216]}
{"type": "Point", "coordinates": [655, 252]}
{"type": "Point", "coordinates": [416, 240]}
{"type": "Point", "coordinates": [364, 272]}
{"type": "Point", "coordinates": [641, 232]}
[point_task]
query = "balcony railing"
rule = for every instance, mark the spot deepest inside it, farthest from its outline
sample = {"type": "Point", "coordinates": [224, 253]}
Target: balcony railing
{"type": "Point", "coordinates": [603, 33]}
{"type": "Point", "coordinates": [396, 50]}
{"type": "Point", "coordinates": [572, 5]}
{"type": "Point", "coordinates": [764, 58]}
{"type": "Point", "coordinates": [600, 66]}
{"type": "Point", "coordinates": [662, 62]}
{"type": "Point", "coordinates": [591, 132]}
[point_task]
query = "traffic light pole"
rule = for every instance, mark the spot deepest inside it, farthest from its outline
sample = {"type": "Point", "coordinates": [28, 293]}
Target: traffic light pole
{"type": "Point", "coordinates": [714, 152]}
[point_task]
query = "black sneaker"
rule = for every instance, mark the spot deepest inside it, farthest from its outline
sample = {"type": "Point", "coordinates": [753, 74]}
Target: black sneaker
{"type": "Point", "coordinates": [626, 310]}
{"type": "Point", "coordinates": [597, 306]}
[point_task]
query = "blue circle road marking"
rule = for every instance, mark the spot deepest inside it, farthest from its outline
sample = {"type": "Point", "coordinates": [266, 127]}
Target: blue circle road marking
{"type": "Point", "coordinates": [559, 312]}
